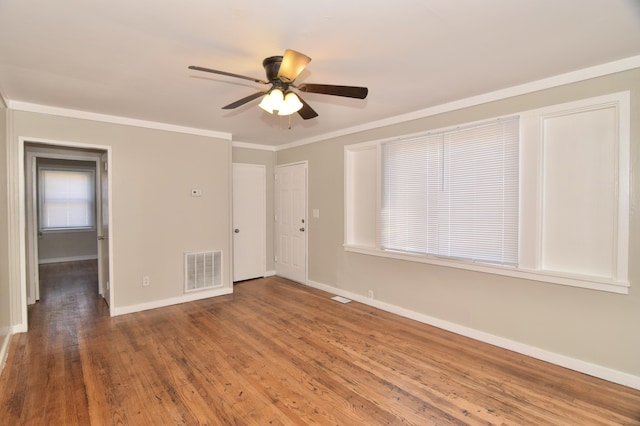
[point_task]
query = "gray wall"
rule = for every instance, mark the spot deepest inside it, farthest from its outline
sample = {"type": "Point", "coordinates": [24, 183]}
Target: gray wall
{"type": "Point", "coordinates": [267, 159]}
{"type": "Point", "coordinates": [67, 246]}
{"type": "Point", "coordinates": [592, 326]}
{"type": "Point", "coordinates": [155, 219]}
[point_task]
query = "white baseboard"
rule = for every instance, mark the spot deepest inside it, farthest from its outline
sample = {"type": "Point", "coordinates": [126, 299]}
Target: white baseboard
{"type": "Point", "coordinates": [19, 328]}
{"type": "Point", "coordinates": [270, 273]}
{"type": "Point", "coordinates": [190, 297]}
{"type": "Point", "coordinates": [594, 370]}
{"type": "Point", "coordinates": [67, 259]}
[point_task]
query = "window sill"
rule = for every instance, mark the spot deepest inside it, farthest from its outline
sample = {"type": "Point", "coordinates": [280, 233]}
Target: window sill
{"type": "Point", "coordinates": [65, 230]}
{"type": "Point", "coordinates": [593, 283]}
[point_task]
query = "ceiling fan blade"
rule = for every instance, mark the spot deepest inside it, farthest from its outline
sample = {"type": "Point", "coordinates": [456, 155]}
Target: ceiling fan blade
{"type": "Point", "coordinates": [306, 112]}
{"type": "Point", "coordinates": [229, 74]}
{"type": "Point", "coordinates": [292, 65]}
{"type": "Point", "coordinates": [244, 100]}
{"type": "Point", "coordinates": [331, 89]}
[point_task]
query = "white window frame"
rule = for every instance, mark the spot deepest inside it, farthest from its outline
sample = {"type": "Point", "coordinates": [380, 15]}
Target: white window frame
{"type": "Point", "coordinates": [41, 198]}
{"type": "Point", "coordinates": [362, 226]}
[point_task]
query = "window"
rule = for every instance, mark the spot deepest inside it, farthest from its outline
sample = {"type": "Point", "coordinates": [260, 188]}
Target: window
{"type": "Point", "coordinates": [66, 199]}
{"type": "Point", "coordinates": [453, 193]}
{"type": "Point", "coordinates": [544, 196]}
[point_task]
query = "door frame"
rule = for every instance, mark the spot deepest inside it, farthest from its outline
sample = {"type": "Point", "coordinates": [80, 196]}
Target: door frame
{"type": "Point", "coordinates": [304, 163]}
{"type": "Point", "coordinates": [102, 217]}
{"type": "Point", "coordinates": [22, 216]}
{"type": "Point", "coordinates": [31, 155]}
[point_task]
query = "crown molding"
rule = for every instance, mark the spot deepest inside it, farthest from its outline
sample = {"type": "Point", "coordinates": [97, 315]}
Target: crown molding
{"type": "Point", "coordinates": [114, 119]}
{"type": "Point", "coordinates": [237, 144]}
{"type": "Point", "coordinates": [534, 86]}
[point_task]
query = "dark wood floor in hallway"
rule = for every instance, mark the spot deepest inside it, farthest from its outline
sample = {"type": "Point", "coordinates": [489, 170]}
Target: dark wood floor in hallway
{"type": "Point", "coordinates": [275, 352]}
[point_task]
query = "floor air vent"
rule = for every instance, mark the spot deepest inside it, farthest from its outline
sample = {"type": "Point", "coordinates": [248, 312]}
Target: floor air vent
{"type": "Point", "coordinates": [202, 270]}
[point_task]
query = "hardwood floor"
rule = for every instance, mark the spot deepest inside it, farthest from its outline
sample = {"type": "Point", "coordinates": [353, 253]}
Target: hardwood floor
{"type": "Point", "coordinates": [275, 352]}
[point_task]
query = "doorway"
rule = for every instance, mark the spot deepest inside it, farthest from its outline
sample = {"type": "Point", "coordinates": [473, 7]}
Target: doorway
{"type": "Point", "coordinates": [60, 167]}
{"type": "Point", "coordinates": [291, 221]}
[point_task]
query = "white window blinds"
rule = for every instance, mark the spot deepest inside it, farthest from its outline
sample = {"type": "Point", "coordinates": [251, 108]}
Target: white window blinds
{"type": "Point", "coordinates": [453, 193]}
{"type": "Point", "coordinates": [66, 199]}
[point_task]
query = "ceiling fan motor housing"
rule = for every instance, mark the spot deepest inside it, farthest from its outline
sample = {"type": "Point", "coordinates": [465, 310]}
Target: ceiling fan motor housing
{"type": "Point", "coordinates": [272, 66]}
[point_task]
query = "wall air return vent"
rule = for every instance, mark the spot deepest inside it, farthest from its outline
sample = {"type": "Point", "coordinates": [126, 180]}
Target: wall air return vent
{"type": "Point", "coordinates": [202, 271]}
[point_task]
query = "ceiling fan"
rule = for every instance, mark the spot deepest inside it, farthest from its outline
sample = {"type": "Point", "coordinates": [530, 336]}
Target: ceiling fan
{"type": "Point", "coordinates": [282, 72]}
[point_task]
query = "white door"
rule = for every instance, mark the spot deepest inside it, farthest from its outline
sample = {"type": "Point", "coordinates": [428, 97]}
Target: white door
{"type": "Point", "coordinates": [291, 222]}
{"type": "Point", "coordinates": [249, 221]}
{"type": "Point", "coordinates": [103, 230]}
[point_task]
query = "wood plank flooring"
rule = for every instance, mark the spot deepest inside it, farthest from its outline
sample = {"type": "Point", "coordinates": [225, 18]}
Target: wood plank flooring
{"type": "Point", "coordinates": [275, 352]}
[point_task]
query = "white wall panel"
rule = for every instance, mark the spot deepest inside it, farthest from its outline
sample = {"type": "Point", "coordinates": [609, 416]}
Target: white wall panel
{"type": "Point", "coordinates": [579, 192]}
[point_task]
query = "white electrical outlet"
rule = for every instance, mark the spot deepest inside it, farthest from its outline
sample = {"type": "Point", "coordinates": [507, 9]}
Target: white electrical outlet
{"type": "Point", "coordinates": [145, 281]}
{"type": "Point", "coordinates": [370, 294]}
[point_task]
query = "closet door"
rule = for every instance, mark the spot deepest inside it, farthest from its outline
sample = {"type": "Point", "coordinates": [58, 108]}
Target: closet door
{"type": "Point", "coordinates": [249, 221]}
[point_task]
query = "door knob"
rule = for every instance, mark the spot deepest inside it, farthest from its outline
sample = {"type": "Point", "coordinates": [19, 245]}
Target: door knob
{"type": "Point", "coordinates": [302, 229]}
{"type": "Point", "coordinates": [237, 231]}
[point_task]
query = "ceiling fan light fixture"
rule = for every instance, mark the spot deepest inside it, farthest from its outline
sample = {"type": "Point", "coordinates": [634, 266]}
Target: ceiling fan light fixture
{"type": "Point", "coordinates": [265, 105]}
{"type": "Point", "coordinates": [272, 101]}
{"type": "Point", "coordinates": [284, 104]}
{"type": "Point", "coordinates": [291, 104]}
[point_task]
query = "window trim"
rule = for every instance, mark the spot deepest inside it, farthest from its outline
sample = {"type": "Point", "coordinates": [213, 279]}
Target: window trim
{"type": "Point", "coordinates": [588, 282]}
{"type": "Point", "coordinates": [618, 283]}
{"type": "Point", "coordinates": [52, 230]}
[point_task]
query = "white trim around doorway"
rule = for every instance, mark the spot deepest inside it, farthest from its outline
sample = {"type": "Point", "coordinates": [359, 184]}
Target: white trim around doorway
{"type": "Point", "coordinates": [17, 215]}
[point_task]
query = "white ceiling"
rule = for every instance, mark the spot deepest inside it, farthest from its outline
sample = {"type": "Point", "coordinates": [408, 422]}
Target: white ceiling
{"type": "Point", "coordinates": [129, 58]}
